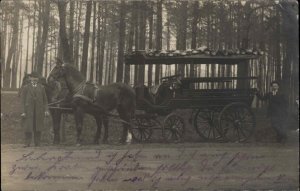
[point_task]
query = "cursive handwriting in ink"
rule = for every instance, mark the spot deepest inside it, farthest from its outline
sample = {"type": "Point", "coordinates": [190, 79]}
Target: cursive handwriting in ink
{"type": "Point", "coordinates": [15, 168]}
{"type": "Point", "coordinates": [107, 176]}
{"type": "Point", "coordinates": [45, 176]}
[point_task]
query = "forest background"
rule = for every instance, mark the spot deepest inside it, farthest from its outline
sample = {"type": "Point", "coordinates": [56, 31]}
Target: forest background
{"type": "Point", "coordinates": [95, 35]}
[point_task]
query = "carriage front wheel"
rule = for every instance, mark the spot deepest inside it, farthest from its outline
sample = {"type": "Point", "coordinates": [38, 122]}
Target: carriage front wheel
{"type": "Point", "coordinates": [237, 122]}
{"type": "Point", "coordinates": [142, 129]}
{"type": "Point", "coordinates": [173, 128]}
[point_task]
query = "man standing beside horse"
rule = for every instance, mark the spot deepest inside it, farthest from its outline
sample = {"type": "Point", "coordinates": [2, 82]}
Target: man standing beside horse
{"type": "Point", "coordinates": [34, 109]}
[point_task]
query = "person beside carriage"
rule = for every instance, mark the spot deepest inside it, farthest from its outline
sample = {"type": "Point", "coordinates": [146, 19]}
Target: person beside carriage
{"type": "Point", "coordinates": [34, 109]}
{"type": "Point", "coordinates": [277, 110]}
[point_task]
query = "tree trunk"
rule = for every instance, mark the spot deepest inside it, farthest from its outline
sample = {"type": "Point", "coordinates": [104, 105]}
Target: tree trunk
{"type": "Point", "coordinates": [103, 41]}
{"type": "Point", "coordinates": [39, 34]}
{"type": "Point", "coordinates": [150, 66]}
{"type": "Point", "coordinates": [66, 52]}
{"type": "Point", "coordinates": [27, 49]}
{"type": "Point", "coordinates": [93, 43]}
{"type": "Point", "coordinates": [71, 29]}
{"type": "Point", "coordinates": [13, 46]}
{"type": "Point", "coordinates": [290, 30]}
{"type": "Point", "coordinates": [98, 40]}
{"type": "Point", "coordinates": [86, 38]}
{"type": "Point", "coordinates": [77, 37]}
{"type": "Point", "coordinates": [130, 44]}
{"type": "Point", "coordinates": [136, 38]}
{"type": "Point", "coordinates": [142, 40]}
{"type": "Point", "coordinates": [194, 33]}
{"type": "Point", "coordinates": [159, 29]}
{"type": "Point", "coordinates": [243, 68]}
{"type": "Point", "coordinates": [121, 43]}
{"type": "Point", "coordinates": [42, 45]}
{"type": "Point", "coordinates": [182, 31]}
{"type": "Point", "coordinates": [33, 36]}
{"type": "Point", "coordinates": [17, 56]}
{"type": "Point", "coordinates": [3, 46]}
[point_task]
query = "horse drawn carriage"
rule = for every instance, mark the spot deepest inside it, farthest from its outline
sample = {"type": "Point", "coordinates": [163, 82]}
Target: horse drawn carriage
{"type": "Point", "coordinates": [221, 106]}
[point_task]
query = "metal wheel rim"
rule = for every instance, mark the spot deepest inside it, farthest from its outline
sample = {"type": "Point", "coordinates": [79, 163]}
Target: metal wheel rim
{"type": "Point", "coordinates": [143, 129]}
{"type": "Point", "coordinates": [237, 122]}
{"type": "Point", "coordinates": [206, 125]}
{"type": "Point", "coordinates": [173, 128]}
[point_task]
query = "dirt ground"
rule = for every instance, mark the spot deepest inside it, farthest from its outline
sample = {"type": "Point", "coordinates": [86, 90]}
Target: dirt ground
{"type": "Point", "coordinates": [192, 165]}
{"type": "Point", "coordinates": [12, 133]}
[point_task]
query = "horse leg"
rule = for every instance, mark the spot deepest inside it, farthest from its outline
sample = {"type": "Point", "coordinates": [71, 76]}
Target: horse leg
{"type": "Point", "coordinates": [99, 127]}
{"type": "Point", "coordinates": [63, 127]}
{"type": "Point", "coordinates": [105, 123]}
{"type": "Point", "coordinates": [126, 117]}
{"type": "Point", "coordinates": [79, 123]}
{"type": "Point", "coordinates": [56, 118]}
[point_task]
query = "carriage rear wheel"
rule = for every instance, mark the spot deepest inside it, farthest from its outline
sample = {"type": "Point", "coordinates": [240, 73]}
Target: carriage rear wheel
{"type": "Point", "coordinates": [206, 124]}
{"type": "Point", "coordinates": [142, 129]}
{"type": "Point", "coordinates": [173, 128]}
{"type": "Point", "coordinates": [237, 122]}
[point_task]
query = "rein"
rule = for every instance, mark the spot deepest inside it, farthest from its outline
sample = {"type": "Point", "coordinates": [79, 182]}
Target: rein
{"type": "Point", "coordinates": [59, 101]}
{"type": "Point", "coordinates": [78, 88]}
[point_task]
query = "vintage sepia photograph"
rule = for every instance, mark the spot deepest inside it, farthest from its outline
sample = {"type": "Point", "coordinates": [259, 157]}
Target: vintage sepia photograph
{"type": "Point", "coordinates": [149, 95]}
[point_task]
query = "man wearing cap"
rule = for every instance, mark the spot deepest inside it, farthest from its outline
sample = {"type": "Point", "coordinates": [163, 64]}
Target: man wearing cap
{"type": "Point", "coordinates": [277, 110]}
{"type": "Point", "coordinates": [34, 106]}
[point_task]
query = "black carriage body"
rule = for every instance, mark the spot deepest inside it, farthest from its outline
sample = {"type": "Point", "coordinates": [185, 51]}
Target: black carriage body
{"type": "Point", "coordinates": [221, 105]}
{"type": "Point", "coordinates": [189, 97]}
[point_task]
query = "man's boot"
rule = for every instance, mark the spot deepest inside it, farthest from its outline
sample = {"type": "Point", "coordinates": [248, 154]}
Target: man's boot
{"type": "Point", "coordinates": [37, 138]}
{"type": "Point", "coordinates": [28, 137]}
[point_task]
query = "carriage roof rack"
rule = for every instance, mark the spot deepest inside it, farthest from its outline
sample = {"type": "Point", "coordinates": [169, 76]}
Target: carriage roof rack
{"type": "Point", "coordinates": [189, 57]}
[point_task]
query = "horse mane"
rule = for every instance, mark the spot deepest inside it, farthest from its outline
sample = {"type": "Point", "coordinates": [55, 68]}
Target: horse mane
{"type": "Point", "coordinates": [71, 70]}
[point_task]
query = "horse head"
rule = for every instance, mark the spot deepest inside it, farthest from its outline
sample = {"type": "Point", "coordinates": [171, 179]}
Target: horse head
{"type": "Point", "coordinates": [57, 72]}
{"type": "Point", "coordinates": [66, 73]}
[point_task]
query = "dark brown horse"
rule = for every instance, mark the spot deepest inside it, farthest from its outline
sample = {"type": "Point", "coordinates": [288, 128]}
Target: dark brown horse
{"type": "Point", "coordinates": [107, 98]}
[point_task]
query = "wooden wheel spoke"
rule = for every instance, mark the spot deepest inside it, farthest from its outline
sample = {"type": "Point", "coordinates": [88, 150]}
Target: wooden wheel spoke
{"type": "Point", "coordinates": [237, 122]}
{"type": "Point", "coordinates": [173, 128]}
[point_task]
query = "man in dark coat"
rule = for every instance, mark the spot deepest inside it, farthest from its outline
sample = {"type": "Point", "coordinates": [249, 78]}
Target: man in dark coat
{"type": "Point", "coordinates": [34, 106]}
{"type": "Point", "coordinates": [277, 110]}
